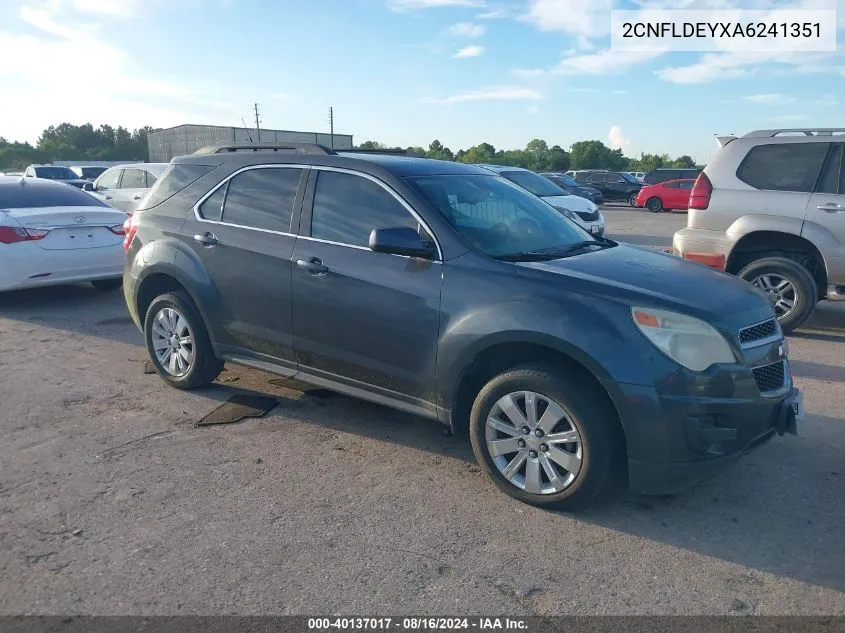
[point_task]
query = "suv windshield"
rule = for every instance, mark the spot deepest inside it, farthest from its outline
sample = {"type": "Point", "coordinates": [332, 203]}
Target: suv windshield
{"type": "Point", "coordinates": [535, 183]}
{"type": "Point", "coordinates": [55, 173]}
{"type": "Point", "coordinates": [629, 177]}
{"type": "Point", "coordinates": [498, 217]}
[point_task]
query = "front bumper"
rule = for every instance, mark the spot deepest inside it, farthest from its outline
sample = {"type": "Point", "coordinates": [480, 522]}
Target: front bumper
{"type": "Point", "coordinates": [676, 440]}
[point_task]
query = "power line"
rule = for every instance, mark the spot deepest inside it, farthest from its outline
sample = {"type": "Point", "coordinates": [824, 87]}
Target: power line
{"type": "Point", "coordinates": [331, 125]}
{"type": "Point", "coordinates": [257, 124]}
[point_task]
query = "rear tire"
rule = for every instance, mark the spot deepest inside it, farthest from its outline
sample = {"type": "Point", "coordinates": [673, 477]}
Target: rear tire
{"type": "Point", "coordinates": [655, 205]}
{"type": "Point", "coordinates": [582, 410]}
{"type": "Point", "coordinates": [173, 323]}
{"type": "Point", "coordinates": [632, 199]}
{"type": "Point", "coordinates": [785, 282]}
{"type": "Point", "coordinates": [107, 284]}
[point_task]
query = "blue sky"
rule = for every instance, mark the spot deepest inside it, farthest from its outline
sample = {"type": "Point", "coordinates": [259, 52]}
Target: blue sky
{"type": "Point", "coordinates": [403, 72]}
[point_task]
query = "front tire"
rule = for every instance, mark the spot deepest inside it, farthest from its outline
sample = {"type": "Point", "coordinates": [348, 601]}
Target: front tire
{"type": "Point", "coordinates": [546, 436]}
{"type": "Point", "coordinates": [789, 285]}
{"type": "Point", "coordinates": [655, 205]}
{"type": "Point", "coordinates": [178, 343]}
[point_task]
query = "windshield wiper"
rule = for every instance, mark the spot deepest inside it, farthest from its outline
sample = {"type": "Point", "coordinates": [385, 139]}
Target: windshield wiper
{"type": "Point", "coordinates": [555, 252]}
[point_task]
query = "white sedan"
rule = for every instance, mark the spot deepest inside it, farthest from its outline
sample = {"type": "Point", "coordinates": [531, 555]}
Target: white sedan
{"type": "Point", "coordinates": [124, 186]}
{"type": "Point", "coordinates": [52, 233]}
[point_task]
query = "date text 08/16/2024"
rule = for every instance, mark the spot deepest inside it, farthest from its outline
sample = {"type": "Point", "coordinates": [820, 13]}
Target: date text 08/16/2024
{"type": "Point", "coordinates": [415, 624]}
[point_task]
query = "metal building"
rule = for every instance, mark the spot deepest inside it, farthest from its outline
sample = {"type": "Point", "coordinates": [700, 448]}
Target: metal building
{"type": "Point", "coordinates": [186, 139]}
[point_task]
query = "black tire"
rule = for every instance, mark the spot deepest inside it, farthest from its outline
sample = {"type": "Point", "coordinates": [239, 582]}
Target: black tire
{"type": "Point", "coordinates": [205, 367]}
{"type": "Point", "coordinates": [591, 415]}
{"type": "Point", "coordinates": [107, 284]}
{"type": "Point", "coordinates": [806, 292]}
{"type": "Point", "coordinates": [632, 199]}
{"type": "Point", "coordinates": [655, 205]}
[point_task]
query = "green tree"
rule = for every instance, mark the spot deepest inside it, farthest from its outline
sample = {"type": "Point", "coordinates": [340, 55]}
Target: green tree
{"type": "Point", "coordinates": [684, 162]}
{"type": "Point", "coordinates": [595, 155]}
{"type": "Point", "coordinates": [476, 154]}
{"type": "Point", "coordinates": [437, 151]}
{"type": "Point", "coordinates": [371, 145]}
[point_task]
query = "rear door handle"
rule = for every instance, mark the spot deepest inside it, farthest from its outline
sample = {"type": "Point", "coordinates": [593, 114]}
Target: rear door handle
{"type": "Point", "coordinates": [137, 196]}
{"type": "Point", "coordinates": [831, 207]}
{"type": "Point", "coordinates": [313, 266]}
{"type": "Point", "coordinates": [207, 239]}
{"type": "Point", "coordinates": [108, 197]}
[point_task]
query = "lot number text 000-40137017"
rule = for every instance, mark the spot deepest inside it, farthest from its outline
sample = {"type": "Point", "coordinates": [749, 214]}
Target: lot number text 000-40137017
{"type": "Point", "coordinates": [657, 30]}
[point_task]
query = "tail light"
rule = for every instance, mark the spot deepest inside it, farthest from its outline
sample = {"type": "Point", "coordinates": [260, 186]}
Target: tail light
{"type": "Point", "coordinates": [118, 229]}
{"type": "Point", "coordinates": [130, 227]}
{"type": "Point", "coordinates": [13, 234]}
{"type": "Point", "coordinates": [699, 197]}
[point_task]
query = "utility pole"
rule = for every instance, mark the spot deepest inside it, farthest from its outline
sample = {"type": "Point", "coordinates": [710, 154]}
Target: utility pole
{"type": "Point", "coordinates": [331, 126]}
{"type": "Point", "coordinates": [257, 124]}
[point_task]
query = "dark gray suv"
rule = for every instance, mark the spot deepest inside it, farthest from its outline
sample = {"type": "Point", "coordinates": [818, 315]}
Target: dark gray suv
{"type": "Point", "coordinates": [445, 290]}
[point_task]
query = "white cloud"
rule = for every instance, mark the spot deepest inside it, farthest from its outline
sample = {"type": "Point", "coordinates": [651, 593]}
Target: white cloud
{"type": "Point", "coordinates": [772, 98]}
{"type": "Point", "coordinates": [469, 51]}
{"type": "Point", "coordinates": [497, 14]}
{"type": "Point", "coordinates": [467, 29]}
{"type": "Point", "coordinates": [616, 139]}
{"type": "Point", "coordinates": [604, 62]}
{"type": "Point", "coordinates": [583, 18]}
{"type": "Point", "coordinates": [411, 5]}
{"type": "Point", "coordinates": [46, 97]}
{"type": "Point", "coordinates": [493, 93]}
{"type": "Point", "coordinates": [121, 8]}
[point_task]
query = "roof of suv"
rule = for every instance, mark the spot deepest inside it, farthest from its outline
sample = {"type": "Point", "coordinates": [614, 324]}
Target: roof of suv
{"type": "Point", "coordinates": [400, 166]}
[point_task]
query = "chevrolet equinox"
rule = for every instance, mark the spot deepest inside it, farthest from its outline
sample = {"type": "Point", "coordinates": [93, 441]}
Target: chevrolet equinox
{"type": "Point", "coordinates": [573, 362]}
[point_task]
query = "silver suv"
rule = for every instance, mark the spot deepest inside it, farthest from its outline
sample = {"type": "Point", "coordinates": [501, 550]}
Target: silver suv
{"type": "Point", "coordinates": [770, 208]}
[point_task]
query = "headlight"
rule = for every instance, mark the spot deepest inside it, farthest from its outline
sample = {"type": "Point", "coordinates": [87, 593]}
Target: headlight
{"type": "Point", "coordinates": [689, 342]}
{"type": "Point", "coordinates": [567, 213]}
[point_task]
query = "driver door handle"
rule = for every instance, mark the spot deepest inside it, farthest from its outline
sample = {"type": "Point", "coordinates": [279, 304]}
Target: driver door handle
{"type": "Point", "coordinates": [108, 197]}
{"type": "Point", "coordinates": [831, 207]}
{"type": "Point", "coordinates": [137, 196]}
{"type": "Point", "coordinates": [313, 266]}
{"type": "Point", "coordinates": [207, 239]}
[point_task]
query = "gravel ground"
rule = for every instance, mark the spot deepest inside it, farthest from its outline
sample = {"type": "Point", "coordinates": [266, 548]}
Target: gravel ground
{"type": "Point", "coordinates": [112, 501]}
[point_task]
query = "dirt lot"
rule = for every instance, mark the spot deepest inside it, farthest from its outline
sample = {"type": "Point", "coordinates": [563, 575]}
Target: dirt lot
{"type": "Point", "coordinates": [112, 501]}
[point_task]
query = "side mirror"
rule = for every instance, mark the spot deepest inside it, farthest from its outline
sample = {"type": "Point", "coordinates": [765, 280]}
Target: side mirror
{"type": "Point", "coordinates": [88, 186]}
{"type": "Point", "coordinates": [401, 241]}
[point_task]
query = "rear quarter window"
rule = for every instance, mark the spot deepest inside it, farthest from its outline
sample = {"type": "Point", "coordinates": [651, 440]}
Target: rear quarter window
{"type": "Point", "coordinates": [173, 180]}
{"type": "Point", "coordinates": [783, 166]}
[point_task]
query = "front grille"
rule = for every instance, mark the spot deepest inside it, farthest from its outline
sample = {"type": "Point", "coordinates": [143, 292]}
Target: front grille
{"type": "Point", "coordinates": [588, 217]}
{"type": "Point", "coordinates": [770, 377]}
{"type": "Point", "coordinates": [758, 332]}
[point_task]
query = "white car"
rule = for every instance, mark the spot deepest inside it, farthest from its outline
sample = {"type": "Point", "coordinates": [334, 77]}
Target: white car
{"type": "Point", "coordinates": [580, 210]}
{"type": "Point", "coordinates": [52, 233]}
{"type": "Point", "coordinates": [639, 175]}
{"type": "Point", "coordinates": [124, 186]}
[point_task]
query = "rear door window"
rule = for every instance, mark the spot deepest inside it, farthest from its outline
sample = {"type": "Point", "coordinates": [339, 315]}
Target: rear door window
{"type": "Point", "coordinates": [685, 185]}
{"type": "Point", "coordinates": [151, 179]}
{"type": "Point", "coordinates": [133, 179]}
{"type": "Point", "coordinates": [783, 166]}
{"type": "Point", "coordinates": [262, 198]}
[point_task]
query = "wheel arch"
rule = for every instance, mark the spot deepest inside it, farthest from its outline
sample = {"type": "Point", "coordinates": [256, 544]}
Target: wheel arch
{"type": "Point", "coordinates": [762, 243]}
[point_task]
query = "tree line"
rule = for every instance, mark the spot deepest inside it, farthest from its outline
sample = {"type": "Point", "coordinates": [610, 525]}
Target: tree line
{"type": "Point", "coordinates": [76, 142]}
{"type": "Point", "coordinates": [538, 156]}
{"type": "Point", "coordinates": [85, 142]}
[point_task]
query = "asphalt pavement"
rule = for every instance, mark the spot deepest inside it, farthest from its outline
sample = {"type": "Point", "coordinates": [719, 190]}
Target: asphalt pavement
{"type": "Point", "coordinates": [113, 501]}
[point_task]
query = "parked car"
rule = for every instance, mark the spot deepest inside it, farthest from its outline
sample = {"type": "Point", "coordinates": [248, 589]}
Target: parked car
{"type": "Point", "coordinates": [52, 234]}
{"type": "Point", "coordinates": [123, 186]}
{"type": "Point", "coordinates": [570, 185]}
{"type": "Point", "coordinates": [663, 174]}
{"type": "Point", "coordinates": [18, 174]}
{"type": "Point", "coordinates": [666, 196]}
{"type": "Point", "coordinates": [54, 172]}
{"type": "Point", "coordinates": [580, 210]}
{"type": "Point", "coordinates": [612, 184]}
{"type": "Point", "coordinates": [88, 172]}
{"type": "Point", "coordinates": [639, 175]}
{"type": "Point", "coordinates": [770, 208]}
{"type": "Point", "coordinates": [448, 291]}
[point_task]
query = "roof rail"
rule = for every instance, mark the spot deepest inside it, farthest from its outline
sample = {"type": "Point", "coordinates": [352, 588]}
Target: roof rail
{"type": "Point", "coordinates": [299, 148]}
{"type": "Point", "coordinates": [394, 152]}
{"type": "Point", "coordinates": [819, 131]}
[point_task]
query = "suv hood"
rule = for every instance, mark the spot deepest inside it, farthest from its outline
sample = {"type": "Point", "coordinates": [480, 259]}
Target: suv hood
{"type": "Point", "coordinates": [636, 275]}
{"type": "Point", "coordinates": [573, 203]}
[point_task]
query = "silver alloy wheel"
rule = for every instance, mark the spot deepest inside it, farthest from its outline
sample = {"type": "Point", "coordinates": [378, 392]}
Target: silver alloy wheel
{"type": "Point", "coordinates": [780, 291]}
{"type": "Point", "coordinates": [173, 342]}
{"type": "Point", "coordinates": [533, 442]}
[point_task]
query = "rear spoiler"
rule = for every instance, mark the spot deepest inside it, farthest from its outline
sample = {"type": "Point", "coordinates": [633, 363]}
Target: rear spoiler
{"type": "Point", "coordinates": [724, 140]}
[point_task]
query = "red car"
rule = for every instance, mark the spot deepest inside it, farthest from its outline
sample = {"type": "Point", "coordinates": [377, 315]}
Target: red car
{"type": "Point", "coordinates": [666, 196]}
